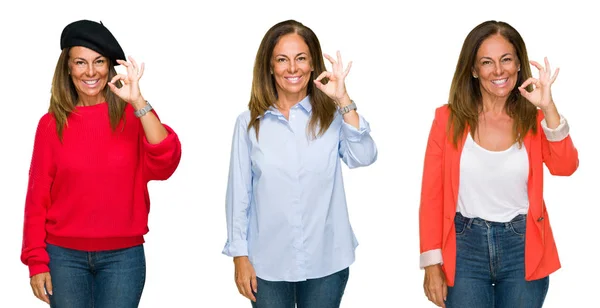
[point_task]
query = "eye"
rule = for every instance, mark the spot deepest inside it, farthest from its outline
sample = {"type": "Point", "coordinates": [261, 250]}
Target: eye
{"type": "Point", "coordinates": [79, 62]}
{"type": "Point", "coordinates": [486, 62]}
{"type": "Point", "coordinates": [302, 58]}
{"type": "Point", "coordinates": [100, 61]}
{"type": "Point", "coordinates": [281, 60]}
{"type": "Point", "coordinates": [507, 60]}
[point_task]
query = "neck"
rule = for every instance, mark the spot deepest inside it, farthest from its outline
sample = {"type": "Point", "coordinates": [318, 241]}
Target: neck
{"type": "Point", "coordinates": [286, 101]}
{"type": "Point", "coordinates": [494, 104]}
{"type": "Point", "coordinates": [90, 101]}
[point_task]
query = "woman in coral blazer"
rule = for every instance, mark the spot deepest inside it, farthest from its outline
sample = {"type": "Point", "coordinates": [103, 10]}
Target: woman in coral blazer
{"type": "Point", "coordinates": [487, 242]}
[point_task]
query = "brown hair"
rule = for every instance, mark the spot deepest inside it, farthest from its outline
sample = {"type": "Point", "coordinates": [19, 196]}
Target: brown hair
{"type": "Point", "coordinates": [64, 96]}
{"type": "Point", "coordinates": [465, 101]}
{"type": "Point", "coordinates": [264, 93]}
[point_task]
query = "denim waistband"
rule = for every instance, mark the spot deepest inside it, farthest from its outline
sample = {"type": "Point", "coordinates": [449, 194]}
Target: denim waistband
{"type": "Point", "coordinates": [482, 222]}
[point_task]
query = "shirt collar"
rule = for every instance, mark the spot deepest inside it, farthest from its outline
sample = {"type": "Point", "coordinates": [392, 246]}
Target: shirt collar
{"type": "Point", "coordinates": [304, 103]}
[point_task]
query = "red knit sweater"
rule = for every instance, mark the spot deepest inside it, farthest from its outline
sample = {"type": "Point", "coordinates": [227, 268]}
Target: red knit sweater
{"type": "Point", "coordinates": [90, 191]}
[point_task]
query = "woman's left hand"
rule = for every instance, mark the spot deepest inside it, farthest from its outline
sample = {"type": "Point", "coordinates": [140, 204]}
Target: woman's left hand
{"type": "Point", "coordinates": [335, 87]}
{"type": "Point", "coordinates": [541, 96]}
{"type": "Point", "coordinates": [130, 91]}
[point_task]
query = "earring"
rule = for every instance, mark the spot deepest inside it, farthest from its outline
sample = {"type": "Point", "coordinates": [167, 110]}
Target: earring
{"type": "Point", "coordinates": [519, 69]}
{"type": "Point", "coordinates": [475, 76]}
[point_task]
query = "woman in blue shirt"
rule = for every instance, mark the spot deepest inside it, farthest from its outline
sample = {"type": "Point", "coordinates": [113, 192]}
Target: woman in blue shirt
{"type": "Point", "coordinates": [287, 221]}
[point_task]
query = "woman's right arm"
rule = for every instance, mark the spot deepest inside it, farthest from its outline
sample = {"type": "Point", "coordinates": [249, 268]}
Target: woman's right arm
{"type": "Point", "coordinates": [41, 176]}
{"type": "Point", "coordinates": [431, 213]}
{"type": "Point", "coordinates": [239, 195]}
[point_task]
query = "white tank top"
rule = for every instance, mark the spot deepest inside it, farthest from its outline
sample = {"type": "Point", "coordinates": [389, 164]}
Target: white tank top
{"type": "Point", "coordinates": [493, 184]}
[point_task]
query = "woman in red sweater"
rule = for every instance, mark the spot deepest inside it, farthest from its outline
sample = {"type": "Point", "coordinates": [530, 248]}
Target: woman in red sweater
{"type": "Point", "coordinates": [87, 201]}
{"type": "Point", "coordinates": [485, 232]}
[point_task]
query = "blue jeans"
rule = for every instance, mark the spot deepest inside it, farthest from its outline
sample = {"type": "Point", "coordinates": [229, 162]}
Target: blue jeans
{"type": "Point", "coordinates": [102, 279]}
{"type": "Point", "coordinates": [490, 266]}
{"type": "Point", "coordinates": [325, 292]}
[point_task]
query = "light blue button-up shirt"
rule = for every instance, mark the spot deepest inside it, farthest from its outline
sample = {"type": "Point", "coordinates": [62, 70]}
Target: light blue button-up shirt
{"type": "Point", "coordinates": [286, 206]}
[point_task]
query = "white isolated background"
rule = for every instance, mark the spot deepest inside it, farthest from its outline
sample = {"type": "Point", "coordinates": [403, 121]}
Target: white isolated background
{"type": "Point", "coordinates": [199, 58]}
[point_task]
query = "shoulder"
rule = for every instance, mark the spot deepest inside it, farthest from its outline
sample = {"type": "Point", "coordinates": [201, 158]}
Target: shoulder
{"type": "Point", "coordinates": [243, 119]}
{"type": "Point", "coordinates": [442, 113]}
{"type": "Point", "coordinates": [47, 121]}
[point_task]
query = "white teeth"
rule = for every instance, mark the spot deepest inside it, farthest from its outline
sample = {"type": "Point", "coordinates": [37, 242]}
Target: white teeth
{"type": "Point", "coordinates": [91, 82]}
{"type": "Point", "coordinates": [499, 82]}
{"type": "Point", "coordinates": [293, 79]}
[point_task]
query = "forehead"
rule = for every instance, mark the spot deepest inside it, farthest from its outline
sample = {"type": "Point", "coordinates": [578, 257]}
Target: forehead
{"type": "Point", "coordinates": [495, 46]}
{"type": "Point", "coordinates": [290, 44]}
{"type": "Point", "coordinates": [83, 52]}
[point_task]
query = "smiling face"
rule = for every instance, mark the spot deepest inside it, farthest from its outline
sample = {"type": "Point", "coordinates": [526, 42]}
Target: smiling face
{"type": "Point", "coordinates": [497, 68]}
{"type": "Point", "coordinates": [291, 66]}
{"type": "Point", "coordinates": [89, 73]}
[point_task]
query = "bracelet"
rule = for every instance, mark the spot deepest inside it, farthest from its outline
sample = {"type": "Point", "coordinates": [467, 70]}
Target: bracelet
{"type": "Point", "coordinates": [140, 113]}
{"type": "Point", "coordinates": [346, 109]}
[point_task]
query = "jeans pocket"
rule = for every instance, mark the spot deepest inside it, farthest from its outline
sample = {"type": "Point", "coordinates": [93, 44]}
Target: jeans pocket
{"type": "Point", "coordinates": [519, 226]}
{"type": "Point", "coordinates": [460, 226]}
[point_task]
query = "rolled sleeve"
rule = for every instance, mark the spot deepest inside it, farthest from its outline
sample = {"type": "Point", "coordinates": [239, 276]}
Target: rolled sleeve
{"type": "Point", "coordinates": [557, 134]}
{"type": "Point", "coordinates": [236, 248]}
{"type": "Point", "coordinates": [431, 257]}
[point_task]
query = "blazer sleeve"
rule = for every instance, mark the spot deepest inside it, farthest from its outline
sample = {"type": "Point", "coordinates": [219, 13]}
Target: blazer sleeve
{"type": "Point", "coordinates": [558, 151]}
{"type": "Point", "coordinates": [431, 206]}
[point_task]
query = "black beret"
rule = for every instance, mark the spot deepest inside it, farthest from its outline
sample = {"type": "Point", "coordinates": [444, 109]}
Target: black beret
{"type": "Point", "coordinates": [94, 36]}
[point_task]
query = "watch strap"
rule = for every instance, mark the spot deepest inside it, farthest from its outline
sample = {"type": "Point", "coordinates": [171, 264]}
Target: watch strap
{"type": "Point", "coordinates": [141, 112]}
{"type": "Point", "coordinates": [346, 109]}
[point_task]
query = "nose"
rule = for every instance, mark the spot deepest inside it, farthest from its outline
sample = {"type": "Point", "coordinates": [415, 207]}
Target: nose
{"type": "Point", "coordinates": [499, 69]}
{"type": "Point", "coordinates": [292, 67]}
{"type": "Point", "coordinates": [91, 70]}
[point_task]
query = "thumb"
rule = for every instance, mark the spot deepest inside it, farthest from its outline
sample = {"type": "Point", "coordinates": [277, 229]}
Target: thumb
{"type": "Point", "coordinates": [112, 87]}
{"type": "Point", "coordinates": [48, 284]}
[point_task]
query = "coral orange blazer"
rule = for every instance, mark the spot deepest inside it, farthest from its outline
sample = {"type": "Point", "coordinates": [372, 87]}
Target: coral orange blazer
{"type": "Point", "coordinates": [439, 195]}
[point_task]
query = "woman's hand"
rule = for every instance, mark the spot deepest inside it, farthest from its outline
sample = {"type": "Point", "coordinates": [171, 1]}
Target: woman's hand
{"type": "Point", "coordinates": [434, 285]}
{"type": "Point", "coordinates": [335, 87]}
{"type": "Point", "coordinates": [130, 91]}
{"type": "Point", "coordinates": [40, 284]}
{"type": "Point", "coordinates": [245, 277]}
{"type": "Point", "coordinates": [541, 96]}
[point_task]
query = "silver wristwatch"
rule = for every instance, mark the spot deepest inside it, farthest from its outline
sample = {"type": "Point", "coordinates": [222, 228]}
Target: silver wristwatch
{"type": "Point", "coordinates": [140, 113]}
{"type": "Point", "coordinates": [346, 109]}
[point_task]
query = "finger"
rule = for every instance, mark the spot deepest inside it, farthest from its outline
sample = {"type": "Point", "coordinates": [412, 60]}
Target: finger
{"type": "Point", "coordinates": [133, 63]}
{"type": "Point", "coordinates": [537, 65]}
{"type": "Point", "coordinates": [328, 57]}
{"type": "Point", "coordinates": [254, 284]}
{"type": "Point", "coordinates": [248, 290]}
{"type": "Point", "coordinates": [529, 81]}
{"type": "Point", "coordinates": [323, 75]}
{"type": "Point", "coordinates": [118, 77]}
{"type": "Point", "coordinates": [547, 63]}
{"type": "Point", "coordinates": [141, 72]}
{"type": "Point", "coordinates": [555, 75]}
{"type": "Point", "coordinates": [348, 69]}
{"type": "Point", "coordinates": [525, 94]}
{"type": "Point", "coordinates": [49, 284]}
{"type": "Point", "coordinates": [339, 57]}
{"type": "Point", "coordinates": [40, 293]}
{"type": "Point", "coordinates": [444, 293]}
{"type": "Point", "coordinates": [123, 62]}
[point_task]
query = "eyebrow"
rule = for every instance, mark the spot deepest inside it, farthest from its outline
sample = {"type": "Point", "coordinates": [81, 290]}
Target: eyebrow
{"type": "Point", "coordinates": [80, 58]}
{"type": "Point", "coordinates": [282, 55]}
{"type": "Point", "coordinates": [504, 55]}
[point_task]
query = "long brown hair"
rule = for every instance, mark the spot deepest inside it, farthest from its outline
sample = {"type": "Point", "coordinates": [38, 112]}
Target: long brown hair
{"type": "Point", "coordinates": [64, 96]}
{"type": "Point", "coordinates": [264, 93]}
{"type": "Point", "coordinates": [465, 100]}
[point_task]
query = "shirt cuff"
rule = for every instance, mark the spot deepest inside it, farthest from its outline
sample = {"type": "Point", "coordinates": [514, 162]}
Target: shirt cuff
{"type": "Point", "coordinates": [236, 248]}
{"type": "Point", "coordinates": [38, 268]}
{"type": "Point", "coordinates": [557, 134]}
{"type": "Point", "coordinates": [353, 134]}
{"type": "Point", "coordinates": [431, 257]}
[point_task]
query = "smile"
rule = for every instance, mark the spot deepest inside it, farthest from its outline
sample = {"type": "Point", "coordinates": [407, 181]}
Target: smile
{"type": "Point", "coordinates": [91, 82]}
{"type": "Point", "coordinates": [293, 79]}
{"type": "Point", "coordinates": [500, 81]}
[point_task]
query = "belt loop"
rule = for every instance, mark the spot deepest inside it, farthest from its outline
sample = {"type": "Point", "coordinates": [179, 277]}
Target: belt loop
{"type": "Point", "coordinates": [470, 222]}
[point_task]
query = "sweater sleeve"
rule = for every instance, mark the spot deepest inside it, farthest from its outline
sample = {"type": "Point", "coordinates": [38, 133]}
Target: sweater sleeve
{"type": "Point", "coordinates": [161, 159]}
{"type": "Point", "coordinates": [37, 201]}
